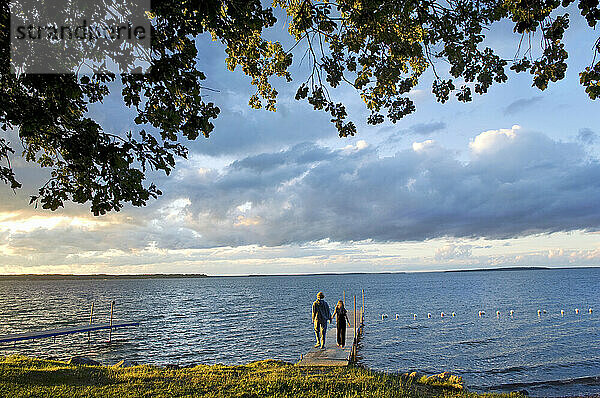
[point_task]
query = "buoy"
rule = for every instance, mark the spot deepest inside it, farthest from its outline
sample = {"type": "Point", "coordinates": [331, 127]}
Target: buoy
{"type": "Point", "coordinates": [453, 314]}
{"type": "Point", "coordinates": [590, 310]}
{"type": "Point", "coordinates": [442, 314]}
{"type": "Point", "coordinates": [414, 316]}
{"type": "Point", "coordinates": [481, 313]}
{"type": "Point", "coordinates": [512, 312]}
{"type": "Point", "coordinates": [428, 315]}
{"type": "Point", "coordinates": [562, 312]}
{"type": "Point", "coordinates": [539, 312]}
{"type": "Point", "coordinates": [383, 316]}
{"type": "Point", "coordinates": [497, 314]}
{"type": "Point", "coordinates": [577, 310]}
{"type": "Point", "coordinates": [397, 316]}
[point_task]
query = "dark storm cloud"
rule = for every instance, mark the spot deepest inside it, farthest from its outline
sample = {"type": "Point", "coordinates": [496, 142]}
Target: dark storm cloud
{"type": "Point", "coordinates": [521, 105]}
{"type": "Point", "coordinates": [300, 154]}
{"type": "Point", "coordinates": [514, 184]}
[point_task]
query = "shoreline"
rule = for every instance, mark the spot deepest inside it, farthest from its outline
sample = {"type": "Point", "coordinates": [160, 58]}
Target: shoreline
{"type": "Point", "coordinates": [54, 377]}
{"type": "Point", "coordinates": [26, 277]}
{"type": "Point", "coordinates": [25, 376]}
{"type": "Point", "coordinates": [62, 277]}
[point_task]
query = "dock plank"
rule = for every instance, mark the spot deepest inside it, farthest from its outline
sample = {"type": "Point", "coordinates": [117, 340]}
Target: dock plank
{"type": "Point", "coordinates": [332, 355]}
{"type": "Point", "coordinates": [9, 338]}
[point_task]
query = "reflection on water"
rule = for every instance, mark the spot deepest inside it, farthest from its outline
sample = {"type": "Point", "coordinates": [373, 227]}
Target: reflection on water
{"type": "Point", "coordinates": [237, 320]}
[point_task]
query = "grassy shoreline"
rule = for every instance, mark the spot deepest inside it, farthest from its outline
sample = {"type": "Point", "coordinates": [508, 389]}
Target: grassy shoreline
{"type": "Point", "coordinates": [29, 377]}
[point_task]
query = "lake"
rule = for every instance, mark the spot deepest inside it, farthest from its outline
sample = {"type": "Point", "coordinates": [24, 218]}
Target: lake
{"type": "Point", "coordinates": [235, 320]}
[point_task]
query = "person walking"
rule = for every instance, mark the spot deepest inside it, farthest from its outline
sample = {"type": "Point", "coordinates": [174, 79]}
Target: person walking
{"type": "Point", "coordinates": [341, 317]}
{"type": "Point", "coordinates": [320, 315]}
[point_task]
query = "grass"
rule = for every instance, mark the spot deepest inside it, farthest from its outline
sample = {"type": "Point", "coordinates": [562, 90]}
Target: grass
{"type": "Point", "coordinates": [27, 377]}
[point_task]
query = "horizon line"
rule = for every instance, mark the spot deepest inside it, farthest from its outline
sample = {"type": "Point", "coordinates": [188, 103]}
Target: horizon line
{"type": "Point", "coordinates": [58, 276]}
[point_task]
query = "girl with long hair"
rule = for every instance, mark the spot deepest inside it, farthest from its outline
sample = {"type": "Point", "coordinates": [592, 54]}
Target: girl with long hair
{"type": "Point", "coordinates": [341, 317]}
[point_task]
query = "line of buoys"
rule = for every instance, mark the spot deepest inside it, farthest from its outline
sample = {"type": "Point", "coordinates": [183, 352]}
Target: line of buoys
{"type": "Point", "coordinates": [429, 316]}
{"type": "Point", "coordinates": [481, 313]}
{"type": "Point", "coordinates": [577, 311]}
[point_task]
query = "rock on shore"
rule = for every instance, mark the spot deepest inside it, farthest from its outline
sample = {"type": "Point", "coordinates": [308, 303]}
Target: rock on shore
{"type": "Point", "coordinates": [83, 361]}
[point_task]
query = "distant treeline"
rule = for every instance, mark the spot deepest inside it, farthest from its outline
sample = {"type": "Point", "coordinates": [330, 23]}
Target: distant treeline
{"type": "Point", "coordinates": [97, 276]}
{"type": "Point", "coordinates": [503, 269]}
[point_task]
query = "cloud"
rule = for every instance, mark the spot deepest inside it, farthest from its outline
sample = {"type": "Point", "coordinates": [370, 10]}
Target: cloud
{"type": "Point", "coordinates": [427, 128]}
{"type": "Point", "coordinates": [300, 154]}
{"type": "Point", "coordinates": [556, 257]}
{"type": "Point", "coordinates": [513, 183]}
{"type": "Point", "coordinates": [493, 140]}
{"type": "Point", "coordinates": [521, 105]}
{"type": "Point", "coordinates": [421, 129]}
{"type": "Point", "coordinates": [450, 252]}
{"type": "Point", "coordinates": [587, 136]}
{"type": "Point", "coordinates": [424, 146]}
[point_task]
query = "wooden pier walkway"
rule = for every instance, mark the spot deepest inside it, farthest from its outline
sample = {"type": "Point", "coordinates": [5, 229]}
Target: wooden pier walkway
{"type": "Point", "coordinates": [332, 355]}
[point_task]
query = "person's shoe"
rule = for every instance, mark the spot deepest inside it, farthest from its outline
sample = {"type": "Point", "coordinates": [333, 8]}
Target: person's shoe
{"type": "Point", "coordinates": [317, 345]}
{"type": "Point", "coordinates": [322, 347]}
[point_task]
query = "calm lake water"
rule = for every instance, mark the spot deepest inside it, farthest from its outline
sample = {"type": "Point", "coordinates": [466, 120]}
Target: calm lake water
{"type": "Point", "coordinates": [236, 320]}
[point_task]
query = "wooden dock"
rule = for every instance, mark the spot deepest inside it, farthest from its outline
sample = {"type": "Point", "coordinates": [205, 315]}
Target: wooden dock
{"type": "Point", "coordinates": [11, 338]}
{"type": "Point", "coordinates": [91, 327]}
{"type": "Point", "coordinates": [332, 355]}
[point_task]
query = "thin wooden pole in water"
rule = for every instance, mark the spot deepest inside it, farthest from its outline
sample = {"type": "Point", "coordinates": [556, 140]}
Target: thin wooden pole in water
{"type": "Point", "coordinates": [344, 297]}
{"type": "Point", "coordinates": [363, 297]}
{"type": "Point", "coordinates": [91, 319]}
{"type": "Point", "coordinates": [354, 317]}
{"type": "Point", "coordinates": [112, 307]}
{"type": "Point", "coordinates": [353, 352]}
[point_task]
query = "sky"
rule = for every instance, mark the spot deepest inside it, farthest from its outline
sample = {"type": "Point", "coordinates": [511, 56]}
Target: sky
{"type": "Point", "coordinates": [510, 179]}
